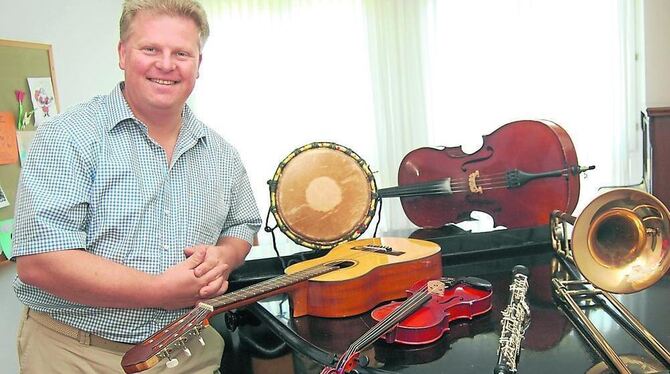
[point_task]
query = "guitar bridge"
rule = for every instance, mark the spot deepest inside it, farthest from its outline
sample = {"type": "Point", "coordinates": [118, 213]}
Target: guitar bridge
{"type": "Point", "coordinates": [387, 250]}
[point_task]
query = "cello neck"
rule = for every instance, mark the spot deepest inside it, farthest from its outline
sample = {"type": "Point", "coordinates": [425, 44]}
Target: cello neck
{"type": "Point", "coordinates": [513, 178]}
{"type": "Point", "coordinates": [438, 187]}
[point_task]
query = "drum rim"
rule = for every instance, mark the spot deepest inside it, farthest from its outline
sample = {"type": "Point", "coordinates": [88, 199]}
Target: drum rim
{"type": "Point", "coordinates": [355, 232]}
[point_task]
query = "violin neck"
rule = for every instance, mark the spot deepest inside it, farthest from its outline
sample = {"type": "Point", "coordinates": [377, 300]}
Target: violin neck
{"type": "Point", "coordinates": [438, 187]}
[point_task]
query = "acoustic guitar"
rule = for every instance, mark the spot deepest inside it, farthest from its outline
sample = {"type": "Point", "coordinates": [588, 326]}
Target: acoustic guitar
{"type": "Point", "coordinates": [351, 279]}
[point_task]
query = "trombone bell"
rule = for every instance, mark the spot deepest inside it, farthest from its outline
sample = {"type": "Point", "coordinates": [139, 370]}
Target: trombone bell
{"type": "Point", "coordinates": [620, 245]}
{"type": "Point", "coordinates": [620, 241]}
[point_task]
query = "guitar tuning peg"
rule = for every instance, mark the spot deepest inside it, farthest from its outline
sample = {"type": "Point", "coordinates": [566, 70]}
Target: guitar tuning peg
{"type": "Point", "coordinates": [187, 352]}
{"type": "Point", "coordinates": [172, 363]}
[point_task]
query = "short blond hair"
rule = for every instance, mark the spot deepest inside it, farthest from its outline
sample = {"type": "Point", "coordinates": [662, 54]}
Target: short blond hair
{"type": "Point", "coordinates": [184, 8]}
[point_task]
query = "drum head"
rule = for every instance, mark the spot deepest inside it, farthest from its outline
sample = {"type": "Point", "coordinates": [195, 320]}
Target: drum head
{"type": "Point", "coordinates": [322, 194]}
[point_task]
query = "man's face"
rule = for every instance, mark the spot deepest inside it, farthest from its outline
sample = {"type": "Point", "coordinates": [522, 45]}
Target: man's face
{"type": "Point", "coordinates": [160, 58]}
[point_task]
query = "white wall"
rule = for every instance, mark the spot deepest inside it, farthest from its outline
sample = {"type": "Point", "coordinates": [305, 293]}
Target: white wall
{"type": "Point", "coordinates": [657, 52]}
{"type": "Point", "coordinates": [84, 34]}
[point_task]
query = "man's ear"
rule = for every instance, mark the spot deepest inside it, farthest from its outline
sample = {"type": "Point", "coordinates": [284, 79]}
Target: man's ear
{"type": "Point", "coordinates": [199, 62]}
{"type": "Point", "coordinates": [122, 55]}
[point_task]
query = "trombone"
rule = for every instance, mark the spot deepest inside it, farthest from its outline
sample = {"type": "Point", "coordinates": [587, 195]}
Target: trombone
{"type": "Point", "coordinates": [619, 244]}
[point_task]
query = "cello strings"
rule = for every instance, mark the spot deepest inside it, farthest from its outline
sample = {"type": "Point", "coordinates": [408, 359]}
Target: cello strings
{"type": "Point", "coordinates": [456, 186]}
{"type": "Point", "coordinates": [438, 186]}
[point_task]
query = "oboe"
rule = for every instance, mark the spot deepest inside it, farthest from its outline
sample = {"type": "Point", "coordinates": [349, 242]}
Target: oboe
{"type": "Point", "coordinates": [515, 321]}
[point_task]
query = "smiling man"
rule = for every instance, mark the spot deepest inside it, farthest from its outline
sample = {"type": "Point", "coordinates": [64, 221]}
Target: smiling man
{"type": "Point", "coordinates": [130, 210]}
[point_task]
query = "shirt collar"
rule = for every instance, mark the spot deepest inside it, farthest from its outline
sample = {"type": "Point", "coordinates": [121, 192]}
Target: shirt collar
{"type": "Point", "coordinates": [120, 111]}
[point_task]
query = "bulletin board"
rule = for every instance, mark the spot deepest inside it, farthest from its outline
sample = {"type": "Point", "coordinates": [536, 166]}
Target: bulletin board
{"type": "Point", "coordinates": [18, 61]}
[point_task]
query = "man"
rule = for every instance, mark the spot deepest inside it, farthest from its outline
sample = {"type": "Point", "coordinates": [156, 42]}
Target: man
{"type": "Point", "coordinates": [130, 210]}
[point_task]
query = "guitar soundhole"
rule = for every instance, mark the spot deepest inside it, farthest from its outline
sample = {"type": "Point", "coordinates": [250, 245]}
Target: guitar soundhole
{"type": "Point", "coordinates": [342, 264]}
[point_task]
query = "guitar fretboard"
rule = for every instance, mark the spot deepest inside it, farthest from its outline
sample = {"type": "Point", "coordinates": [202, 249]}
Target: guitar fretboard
{"type": "Point", "coordinates": [270, 285]}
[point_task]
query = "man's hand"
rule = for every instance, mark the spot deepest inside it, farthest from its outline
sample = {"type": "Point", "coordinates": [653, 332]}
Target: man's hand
{"type": "Point", "coordinates": [185, 288]}
{"type": "Point", "coordinates": [219, 261]}
{"type": "Point", "coordinates": [215, 266]}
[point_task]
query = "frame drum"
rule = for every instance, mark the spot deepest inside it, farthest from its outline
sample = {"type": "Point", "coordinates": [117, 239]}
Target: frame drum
{"type": "Point", "coordinates": [322, 194]}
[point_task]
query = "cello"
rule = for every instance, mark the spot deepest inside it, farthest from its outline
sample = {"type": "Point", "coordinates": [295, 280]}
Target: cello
{"type": "Point", "coordinates": [522, 172]}
{"type": "Point", "coordinates": [422, 318]}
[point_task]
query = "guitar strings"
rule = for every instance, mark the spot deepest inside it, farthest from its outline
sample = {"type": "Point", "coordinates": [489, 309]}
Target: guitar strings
{"type": "Point", "coordinates": [164, 340]}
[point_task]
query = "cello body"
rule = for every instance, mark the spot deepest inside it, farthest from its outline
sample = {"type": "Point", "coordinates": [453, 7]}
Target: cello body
{"type": "Point", "coordinates": [529, 146]}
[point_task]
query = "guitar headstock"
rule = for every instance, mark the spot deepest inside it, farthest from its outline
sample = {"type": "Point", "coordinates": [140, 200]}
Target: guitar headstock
{"type": "Point", "coordinates": [169, 342]}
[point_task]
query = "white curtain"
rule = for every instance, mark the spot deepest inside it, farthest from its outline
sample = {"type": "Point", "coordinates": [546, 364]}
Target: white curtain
{"type": "Point", "coordinates": [494, 62]}
{"type": "Point", "coordinates": [398, 57]}
{"type": "Point", "coordinates": [278, 74]}
{"type": "Point", "coordinates": [383, 77]}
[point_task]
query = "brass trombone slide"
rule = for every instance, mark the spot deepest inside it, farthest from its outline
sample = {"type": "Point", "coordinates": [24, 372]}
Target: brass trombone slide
{"type": "Point", "coordinates": [619, 244]}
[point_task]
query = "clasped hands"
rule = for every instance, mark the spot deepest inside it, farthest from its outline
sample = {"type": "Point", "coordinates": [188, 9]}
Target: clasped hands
{"type": "Point", "coordinates": [203, 275]}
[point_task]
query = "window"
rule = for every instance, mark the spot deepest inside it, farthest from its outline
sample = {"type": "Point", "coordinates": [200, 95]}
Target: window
{"type": "Point", "coordinates": [383, 77]}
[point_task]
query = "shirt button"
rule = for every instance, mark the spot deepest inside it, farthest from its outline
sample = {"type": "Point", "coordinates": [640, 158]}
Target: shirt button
{"type": "Point", "coordinates": [166, 211]}
{"type": "Point", "coordinates": [165, 247]}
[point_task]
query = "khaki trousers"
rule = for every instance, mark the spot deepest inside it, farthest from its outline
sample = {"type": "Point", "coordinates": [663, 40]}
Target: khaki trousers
{"type": "Point", "coordinates": [43, 347]}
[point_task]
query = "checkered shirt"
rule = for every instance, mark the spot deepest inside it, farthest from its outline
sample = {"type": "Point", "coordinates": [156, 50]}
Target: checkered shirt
{"type": "Point", "coordinates": [94, 179]}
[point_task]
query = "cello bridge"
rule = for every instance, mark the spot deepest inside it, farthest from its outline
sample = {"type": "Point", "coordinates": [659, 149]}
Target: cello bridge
{"type": "Point", "coordinates": [472, 183]}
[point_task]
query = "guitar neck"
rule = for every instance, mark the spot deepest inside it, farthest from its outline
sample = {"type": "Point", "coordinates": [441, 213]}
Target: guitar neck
{"type": "Point", "coordinates": [439, 187]}
{"type": "Point", "coordinates": [262, 290]}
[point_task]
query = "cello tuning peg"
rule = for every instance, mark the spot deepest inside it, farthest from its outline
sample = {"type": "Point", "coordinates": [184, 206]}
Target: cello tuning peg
{"type": "Point", "coordinates": [172, 363]}
{"type": "Point", "coordinates": [187, 352]}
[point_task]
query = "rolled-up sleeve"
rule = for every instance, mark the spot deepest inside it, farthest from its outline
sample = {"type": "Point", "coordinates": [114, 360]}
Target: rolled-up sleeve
{"type": "Point", "coordinates": [52, 202]}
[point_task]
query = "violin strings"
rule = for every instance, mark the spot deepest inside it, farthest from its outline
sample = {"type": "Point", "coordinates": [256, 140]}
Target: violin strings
{"type": "Point", "coordinates": [405, 309]}
{"type": "Point", "coordinates": [359, 344]}
{"type": "Point", "coordinates": [377, 331]}
{"type": "Point", "coordinates": [382, 325]}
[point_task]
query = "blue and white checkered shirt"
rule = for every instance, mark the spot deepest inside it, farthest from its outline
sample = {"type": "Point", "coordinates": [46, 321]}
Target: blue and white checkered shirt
{"type": "Point", "coordinates": [94, 179]}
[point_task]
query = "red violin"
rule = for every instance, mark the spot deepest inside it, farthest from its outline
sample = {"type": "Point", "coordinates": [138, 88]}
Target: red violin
{"type": "Point", "coordinates": [523, 171]}
{"type": "Point", "coordinates": [423, 317]}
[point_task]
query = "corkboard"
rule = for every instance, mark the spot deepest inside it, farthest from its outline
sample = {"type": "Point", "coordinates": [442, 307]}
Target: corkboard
{"type": "Point", "coordinates": [18, 61]}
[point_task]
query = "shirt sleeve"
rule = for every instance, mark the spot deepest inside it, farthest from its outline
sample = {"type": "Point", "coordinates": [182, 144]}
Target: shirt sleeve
{"type": "Point", "coordinates": [52, 201]}
{"type": "Point", "coordinates": [243, 220]}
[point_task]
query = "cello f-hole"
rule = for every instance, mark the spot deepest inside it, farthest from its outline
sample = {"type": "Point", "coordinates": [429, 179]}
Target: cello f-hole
{"type": "Point", "coordinates": [490, 154]}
